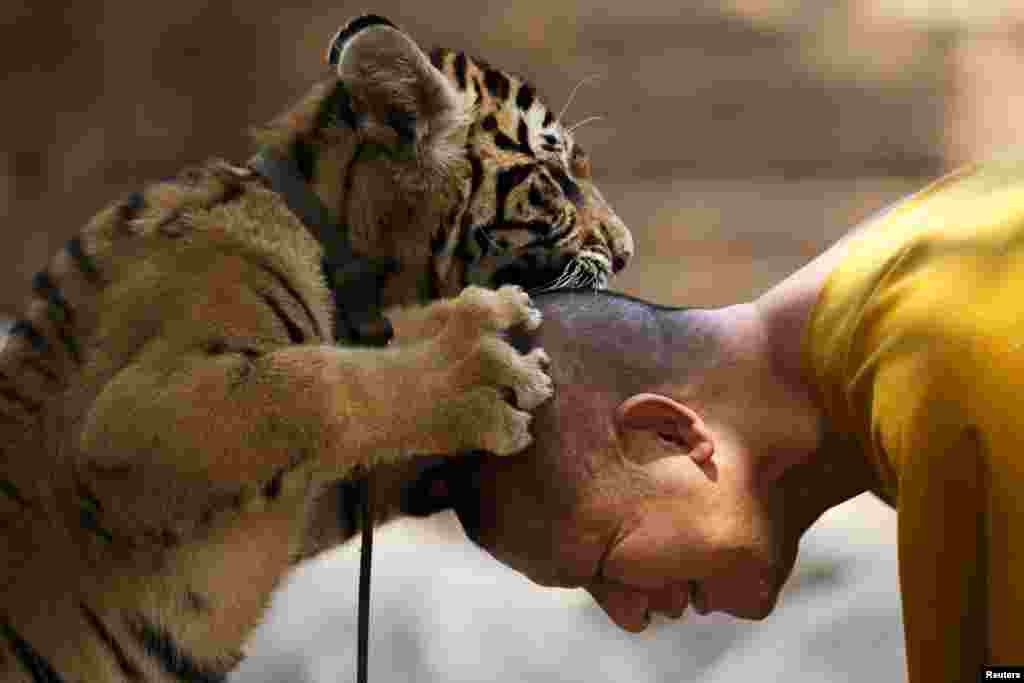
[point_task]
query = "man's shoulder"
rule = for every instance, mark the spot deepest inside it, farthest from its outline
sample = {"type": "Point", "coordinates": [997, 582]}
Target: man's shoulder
{"type": "Point", "coordinates": [948, 261]}
{"type": "Point", "coordinates": [936, 286]}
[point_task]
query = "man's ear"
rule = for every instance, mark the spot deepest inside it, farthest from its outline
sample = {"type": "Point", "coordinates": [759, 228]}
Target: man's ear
{"type": "Point", "coordinates": [670, 419]}
{"type": "Point", "coordinates": [398, 99]}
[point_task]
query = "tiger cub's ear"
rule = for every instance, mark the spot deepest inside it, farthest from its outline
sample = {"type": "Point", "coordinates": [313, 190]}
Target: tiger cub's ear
{"type": "Point", "coordinates": [398, 99]}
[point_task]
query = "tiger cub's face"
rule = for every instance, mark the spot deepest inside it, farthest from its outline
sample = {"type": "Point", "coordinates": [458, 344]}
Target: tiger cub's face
{"type": "Point", "coordinates": [532, 215]}
{"type": "Point", "coordinates": [510, 198]}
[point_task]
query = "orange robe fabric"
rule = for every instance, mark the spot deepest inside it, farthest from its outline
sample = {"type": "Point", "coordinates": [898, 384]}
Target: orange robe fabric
{"type": "Point", "coordinates": [917, 347]}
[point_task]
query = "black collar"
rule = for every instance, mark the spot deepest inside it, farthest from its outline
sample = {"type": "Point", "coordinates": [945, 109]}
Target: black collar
{"type": "Point", "coordinates": [355, 280]}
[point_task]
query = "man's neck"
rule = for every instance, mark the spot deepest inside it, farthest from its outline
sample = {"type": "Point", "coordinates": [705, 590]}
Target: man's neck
{"type": "Point", "coordinates": [835, 470]}
{"type": "Point", "coordinates": [769, 408]}
{"type": "Point", "coordinates": [786, 308]}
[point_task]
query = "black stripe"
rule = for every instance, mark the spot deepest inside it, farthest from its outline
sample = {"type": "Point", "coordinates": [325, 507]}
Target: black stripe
{"type": "Point", "coordinates": [89, 511]}
{"type": "Point", "coordinates": [88, 519]}
{"type": "Point", "coordinates": [525, 96]}
{"type": "Point", "coordinates": [437, 57]}
{"type": "Point", "coordinates": [507, 180]}
{"type": "Point", "coordinates": [35, 664]}
{"type": "Point", "coordinates": [127, 666]}
{"type": "Point", "coordinates": [447, 225]}
{"type": "Point", "coordinates": [523, 134]}
{"type": "Point", "coordinates": [353, 27]}
{"type": "Point", "coordinates": [295, 333]}
{"type": "Point", "coordinates": [481, 237]}
{"type": "Point", "coordinates": [160, 645]}
{"type": "Point", "coordinates": [59, 311]}
{"type": "Point", "coordinates": [535, 198]}
{"type": "Point", "coordinates": [522, 145]}
{"type": "Point", "coordinates": [216, 347]}
{"type": "Point", "coordinates": [26, 329]}
{"type": "Point", "coordinates": [45, 288]}
{"type": "Point", "coordinates": [132, 206]}
{"type": "Point", "coordinates": [286, 286]}
{"type": "Point", "coordinates": [85, 263]}
{"type": "Point", "coordinates": [539, 228]}
{"type": "Point", "coordinates": [438, 240]}
{"type": "Point", "coordinates": [233, 191]}
{"type": "Point", "coordinates": [477, 177]}
{"type": "Point", "coordinates": [497, 84]}
{"type": "Point", "coordinates": [11, 491]}
{"type": "Point", "coordinates": [460, 70]}
{"type": "Point", "coordinates": [71, 343]}
{"type": "Point", "coordinates": [85, 493]}
{"type": "Point", "coordinates": [272, 489]}
{"type": "Point", "coordinates": [14, 397]}
{"type": "Point", "coordinates": [404, 123]}
{"type": "Point", "coordinates": [505, 142]}
{"type": "Point", "coordinates": [568, 185]}
{"type": "Point", "coordinates": [305, 156]}
{"type": "Point", "coordinates": [197, 602]}
{"type": "Point", "coordinates": [489, 123]}
{"type": "Point", "coordinates": [548, 119]}
{"type": "Point", "coordinates": [462, 251]}
{"type": "Point", "coordinates": [338, 107]}
{"type": "Point", "coordinates": [551, 238]}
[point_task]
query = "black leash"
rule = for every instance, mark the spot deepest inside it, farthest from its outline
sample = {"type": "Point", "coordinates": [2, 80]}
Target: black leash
{"type": "Point", "coordinates": [356, 282]}
{"type": "Point", "coordinates": [365, 564]}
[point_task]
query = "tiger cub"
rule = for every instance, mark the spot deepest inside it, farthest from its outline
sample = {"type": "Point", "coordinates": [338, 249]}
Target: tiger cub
{"type": "Point", "coordinates": [175, 414]}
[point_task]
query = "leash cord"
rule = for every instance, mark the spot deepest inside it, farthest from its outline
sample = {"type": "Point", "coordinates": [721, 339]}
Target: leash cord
{"type": "Point", "coordinates": [365, 562]}
{"type": "Point", "coordinates": [354, 280]}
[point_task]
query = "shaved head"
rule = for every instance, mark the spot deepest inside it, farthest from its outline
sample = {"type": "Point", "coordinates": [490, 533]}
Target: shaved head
{"type": "Point", "coordinates": [616, 344]}
{"type": "Point", "coordinates": [605, 347]}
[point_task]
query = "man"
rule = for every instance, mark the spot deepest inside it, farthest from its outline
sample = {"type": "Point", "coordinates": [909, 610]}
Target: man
{"type": "Point", "coordinates": [686, 451]}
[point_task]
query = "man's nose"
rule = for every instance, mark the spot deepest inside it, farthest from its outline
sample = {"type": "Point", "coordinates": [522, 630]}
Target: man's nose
{"type": "Point", "coordinates": [631, 608]}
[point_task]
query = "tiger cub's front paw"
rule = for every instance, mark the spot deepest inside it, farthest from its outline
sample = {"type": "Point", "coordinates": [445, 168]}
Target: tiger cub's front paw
{"type": "Point", "coordinates": [495, 385]}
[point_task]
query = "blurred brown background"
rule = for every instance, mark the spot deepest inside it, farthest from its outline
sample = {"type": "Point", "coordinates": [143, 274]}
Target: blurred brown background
{"type": "Point", "coordinates": [739, 137]}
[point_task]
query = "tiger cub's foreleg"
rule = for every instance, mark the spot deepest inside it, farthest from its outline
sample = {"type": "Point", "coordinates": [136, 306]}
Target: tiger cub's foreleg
{"type": "Point", "coordinates": [236, 425]}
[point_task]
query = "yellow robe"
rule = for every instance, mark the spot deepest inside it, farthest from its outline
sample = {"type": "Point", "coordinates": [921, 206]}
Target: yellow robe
{"type": "Point", "coordinates": [916, 344]}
